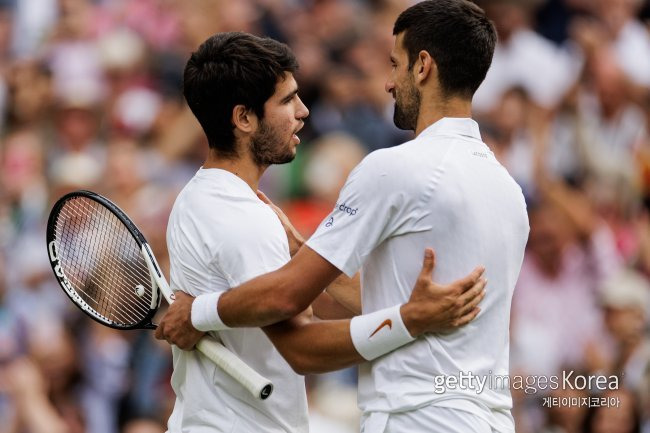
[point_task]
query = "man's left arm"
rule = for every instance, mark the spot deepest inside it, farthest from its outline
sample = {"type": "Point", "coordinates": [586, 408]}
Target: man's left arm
{"type": "Point", "coordinates": [321, 346]}
{"type": "Point", "coordinates": [261, 301]}
{"type": "Point", "coordinates": [431, 307]}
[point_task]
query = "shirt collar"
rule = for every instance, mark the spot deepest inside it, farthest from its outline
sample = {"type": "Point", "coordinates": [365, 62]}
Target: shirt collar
{"type": "Point", "coordinates": [221, 175]}
{"type": "Point", "coordinates": [453, 126]}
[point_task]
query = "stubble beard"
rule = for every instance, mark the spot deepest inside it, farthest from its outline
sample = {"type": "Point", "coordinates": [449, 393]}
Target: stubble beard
{"type": "Point", "coordinates": [267, 148]}
{"type": "Point", "coordinates": [407, 108]}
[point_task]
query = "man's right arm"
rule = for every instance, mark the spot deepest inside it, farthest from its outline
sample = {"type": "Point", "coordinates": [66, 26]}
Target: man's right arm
{"type": "Point", "coordinates": [278, 295]}
{"type": "Point", "coordinates": [269, 298]}
{"type": "Point", "coordinates": [431, 307]}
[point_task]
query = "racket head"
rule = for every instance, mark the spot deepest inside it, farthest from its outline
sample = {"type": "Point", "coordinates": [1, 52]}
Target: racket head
{"type": "Point", "coordinates": [96, 254]}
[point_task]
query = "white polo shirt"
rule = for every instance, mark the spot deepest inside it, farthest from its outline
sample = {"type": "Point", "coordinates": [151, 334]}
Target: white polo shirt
{"type": "Point", "coordinates": [445, 190]}
{"type": "Point", "coordinates": [219, 236]}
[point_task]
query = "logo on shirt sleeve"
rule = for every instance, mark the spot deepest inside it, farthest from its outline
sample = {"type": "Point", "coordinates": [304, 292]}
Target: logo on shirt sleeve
{"type": "Point", "coordinates": [346, 209]}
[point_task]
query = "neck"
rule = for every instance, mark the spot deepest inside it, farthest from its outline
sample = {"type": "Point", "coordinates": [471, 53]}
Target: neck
{"type": "Point", "coordinates": [439, 108]}
{"type": "Point", "coordinates": [241, 166]}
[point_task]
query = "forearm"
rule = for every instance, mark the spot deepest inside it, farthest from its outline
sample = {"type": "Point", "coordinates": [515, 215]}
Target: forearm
{"type": "Point", "coordinates": [318, 347]}
{"type": "Point", "coordinates": [347, 292]}
{"type": "Point", "coordinates": [259, 302]}
{"type": "Point", "coordinates": [278, 295]}
{"type": "Point", "coordinates": [314, 347]}
{"type": "Point", "coordinates": [327, 308]}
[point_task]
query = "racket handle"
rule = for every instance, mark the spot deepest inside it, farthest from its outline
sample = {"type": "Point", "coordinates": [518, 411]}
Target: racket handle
{"type": "Point", "coordinates": [256, 384]}
{"type": "Point", "coordinates": [250, 379]}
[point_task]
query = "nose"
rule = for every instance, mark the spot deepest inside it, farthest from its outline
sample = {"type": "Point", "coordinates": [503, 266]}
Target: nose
{"type": "Point", "coordinates": [302, 111]}
{"type": "Point", "coordinates": [389, 86]}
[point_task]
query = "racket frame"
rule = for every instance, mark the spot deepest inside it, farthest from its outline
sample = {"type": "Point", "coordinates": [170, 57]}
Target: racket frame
{"type": "Point", "coordinates": [256, 384]}
{"type": "Point", "coordinates": [68, 288]}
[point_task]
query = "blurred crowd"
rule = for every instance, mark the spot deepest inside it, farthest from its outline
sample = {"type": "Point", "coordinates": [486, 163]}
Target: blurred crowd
{"type": "Point", "coordinates": [90, 97]}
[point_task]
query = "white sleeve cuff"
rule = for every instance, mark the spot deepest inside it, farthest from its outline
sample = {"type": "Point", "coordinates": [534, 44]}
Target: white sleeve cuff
{"type": "Point", "coordinates": [205, 315]}
{"type": "Point", "coordinates": [378, 333]}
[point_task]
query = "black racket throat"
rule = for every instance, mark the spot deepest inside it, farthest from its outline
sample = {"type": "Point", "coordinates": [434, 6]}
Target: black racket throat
{"type": "Point", "coordinates": [97, 255]}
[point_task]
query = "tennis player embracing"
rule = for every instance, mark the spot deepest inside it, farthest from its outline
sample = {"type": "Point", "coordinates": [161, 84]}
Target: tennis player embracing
{"type": "Point", "coordinates": [443, 189]}
{"type": "Point", "coordinates": [242, 90]}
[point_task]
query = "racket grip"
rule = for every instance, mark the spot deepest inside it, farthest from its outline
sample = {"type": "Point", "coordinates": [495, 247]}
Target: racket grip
{"type": "Point", "coordinates": [256, 384]}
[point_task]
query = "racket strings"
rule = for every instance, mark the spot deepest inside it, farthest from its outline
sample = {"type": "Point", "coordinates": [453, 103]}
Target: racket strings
{"type": "Point", "coordinates": [89, 280]}
{"type": "Point", "coordinates": [103, 262]}
{"type": "Point", "coordinates": [101, 291]}
{"type": "Point", "coordinates": [107, 267]}
{"type": "Point", "coordinates": [128, 252]}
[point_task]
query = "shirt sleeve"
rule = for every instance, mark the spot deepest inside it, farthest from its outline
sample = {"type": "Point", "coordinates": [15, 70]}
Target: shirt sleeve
{"type": "Point", "coordinates": [376, 202]}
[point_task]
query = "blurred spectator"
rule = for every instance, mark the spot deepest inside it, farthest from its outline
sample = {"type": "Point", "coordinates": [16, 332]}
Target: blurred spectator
{"type": "Point", "coordinates": [78, 152]}
{"type": "Point", "coordinates": [526, 138]}
{"type": "Point", "coordinates": [570, 253]}
{"type": "Point", "coordinates": [105, 356]}
{"type": "Point", "coordinates": [23, 181]}
{"type": "Point", "coordinates": [610, 127]}
{"type": "Point", "coordinates": [615, 28]}
{"type": "Point", "coordinates": [523, 58]}
{"type": "Point", "coordinates": [621, 417]}
{"type": "Point", "coordinates": [33, 20]}
{"type": "Point", "coordinates": [566, 418]}
{"type": "Point", "coordinates": [33, 410]}
{"type": "Point", "coordinates": [12, 346]}
{"type": "Point", "coordinates": [30, 95]}
{"type": "Point", "coordinates": [58, 375]}
{"type": "Point", "coordinates": [625, 298]}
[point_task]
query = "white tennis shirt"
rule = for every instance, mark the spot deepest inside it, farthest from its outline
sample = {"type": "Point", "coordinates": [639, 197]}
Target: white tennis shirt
{"type": "Point", "coordinates": [219, 236]}
{"type": "Point", "coordinates": [445, 190]}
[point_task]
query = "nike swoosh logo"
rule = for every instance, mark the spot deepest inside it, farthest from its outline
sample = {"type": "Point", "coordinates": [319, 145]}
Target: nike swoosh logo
{"type": "Point", "coordinates": [386, 322]}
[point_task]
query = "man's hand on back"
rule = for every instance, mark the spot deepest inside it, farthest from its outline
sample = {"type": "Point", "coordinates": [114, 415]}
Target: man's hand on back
{"type": "Point", "coordinates": [437, 308]}
{"type": "Point", "coordinates": [176, 326]}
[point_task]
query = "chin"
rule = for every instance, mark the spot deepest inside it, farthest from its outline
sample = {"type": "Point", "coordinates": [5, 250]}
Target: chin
{"type": "Point", "coordinates": [287, 157]}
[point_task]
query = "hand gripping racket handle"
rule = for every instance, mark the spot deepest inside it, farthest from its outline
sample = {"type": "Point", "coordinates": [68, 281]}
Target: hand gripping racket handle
{"type": "Point", "coordinates": [256, 384]}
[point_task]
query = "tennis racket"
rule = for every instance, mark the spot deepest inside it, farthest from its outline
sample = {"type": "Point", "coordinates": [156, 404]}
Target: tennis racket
{"type": "Point", "coordinates": [104, 264]}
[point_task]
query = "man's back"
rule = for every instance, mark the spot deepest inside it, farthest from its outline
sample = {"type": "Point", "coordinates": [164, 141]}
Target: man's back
{"type": "Point", "coordinates": [443, 190]}
{"type": "Point", "coordinates": [220, 235]}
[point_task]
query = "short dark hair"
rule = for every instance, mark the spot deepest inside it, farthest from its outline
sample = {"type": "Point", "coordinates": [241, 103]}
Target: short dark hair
{"type": "Point", "coordinates": [230, 69]}
{"type": "Point", "coordinates": [457, 35]}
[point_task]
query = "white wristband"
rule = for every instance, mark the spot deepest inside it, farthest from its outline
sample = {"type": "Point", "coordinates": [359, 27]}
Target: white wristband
{"type": "Point", "coordinates": [205, 315]}
{"type": "Point", "coordinates": [378, 333]}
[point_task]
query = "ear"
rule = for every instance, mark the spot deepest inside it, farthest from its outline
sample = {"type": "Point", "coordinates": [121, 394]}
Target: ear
{"type": "Point", "coordinates": [244, 119]}
{"type": "Point", "coordinates": [424, 67]}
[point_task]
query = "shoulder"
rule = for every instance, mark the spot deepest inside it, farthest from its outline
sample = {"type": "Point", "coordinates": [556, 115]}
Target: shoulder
{"type": "Point", "coordinates": [213, 213]}
{"type": "Point", "coordinates": [388, 162]}
{"type": "Point", "coordinates": [391, 177]}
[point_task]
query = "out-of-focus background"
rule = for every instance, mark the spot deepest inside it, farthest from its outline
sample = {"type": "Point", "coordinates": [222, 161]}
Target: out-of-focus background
{"type": "Point", "coordinates": [90, 97]}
